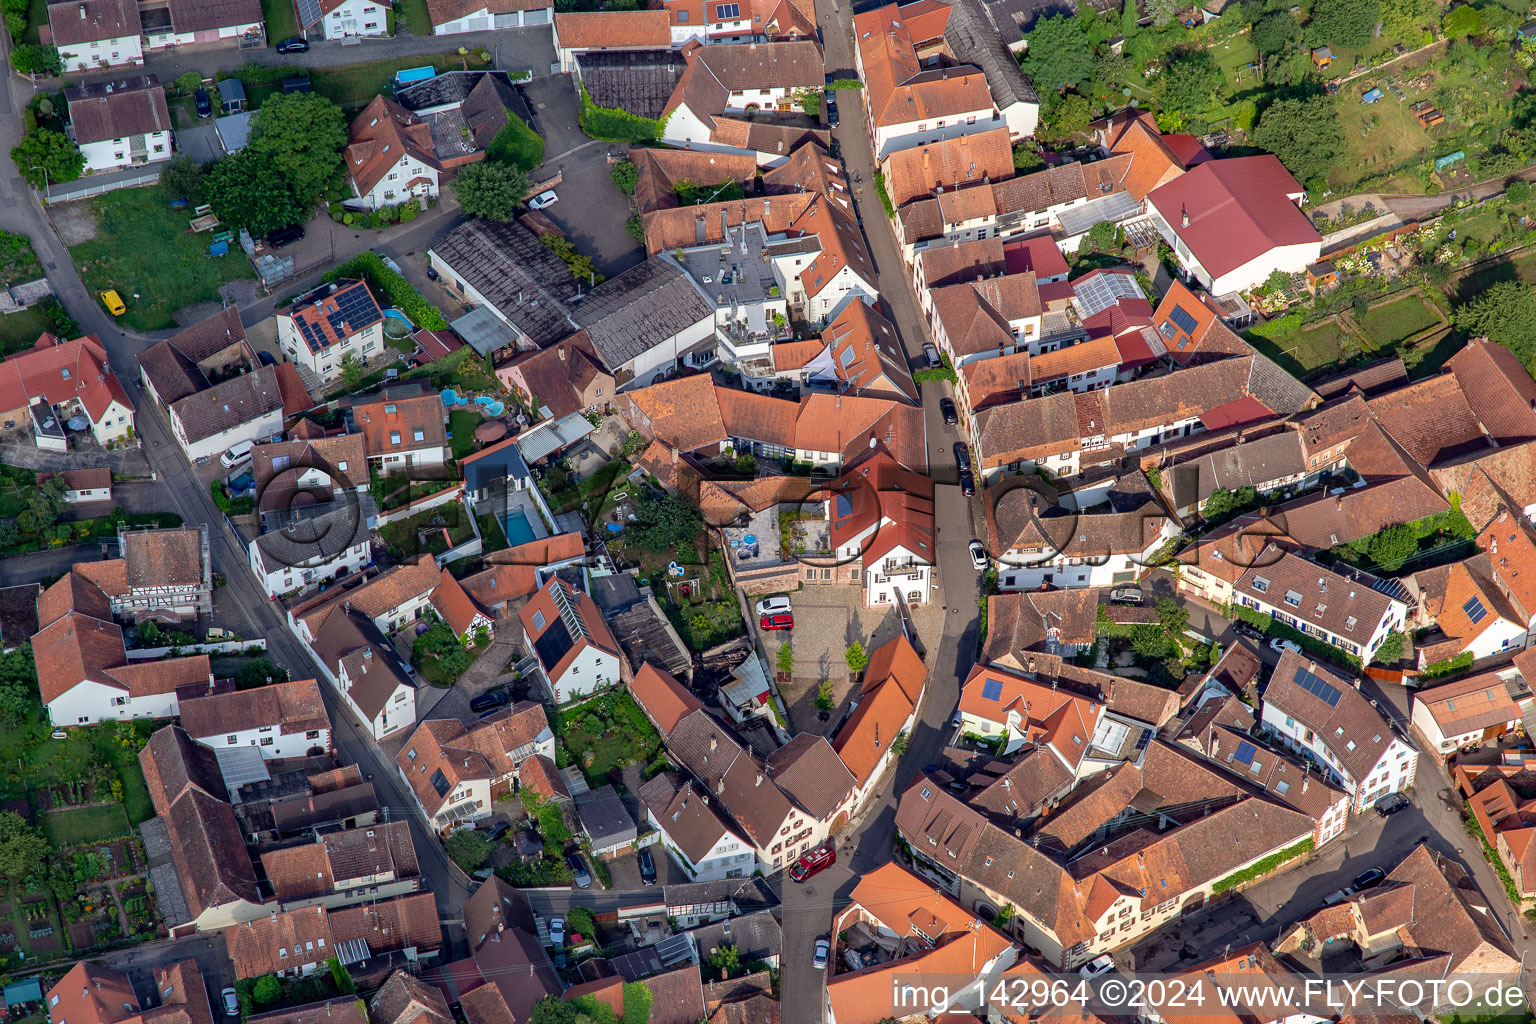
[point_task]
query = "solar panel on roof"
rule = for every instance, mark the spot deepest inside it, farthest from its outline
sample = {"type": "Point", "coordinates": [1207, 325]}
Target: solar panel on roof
{"type": "Point", "coordinates": [1101, 291]}
{"type": "Point", "coordinates": [1317, 688]}
{"type": "Point", "coordinates": [1245, 752]}
{"type": "Point", "coordinates": [1144, 739]}
{"type": "Point", "coordinates": [1475, 610]}
{"type": "Point", "coordinates": [844, 506]}
{"type": "Point", "coordinates": [309, 12]}
{"type": "Point", "coordinates": [1183, 319]}
{"type": "Point", "coordinates": [992, 689]}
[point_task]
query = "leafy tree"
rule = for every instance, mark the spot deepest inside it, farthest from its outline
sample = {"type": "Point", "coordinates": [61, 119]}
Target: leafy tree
{"type": "Point", "coordinates": [553, 1009]}
{"type": "Point", "coordinates": [442, 647]}
{"type": "Point", "coordinates": [469, 849]}
{"type": "Point", "coordinates": [1059, 55]}
{"type": "Point", "coordinates": [22, 847]}
{"type": "Point", "coordinates": [302, 134]}
{"type": "Point", "coordinates": [43, 150]}
{"type": "Point", "coordinates": [183, 178]}
{"type": "Point", "coordinates": [824, 696]}
{"type": "Point", "coordinates": [1172, 617]}
{"type": "Point", "coordinates": [1026, 159]}
{"type": "Point", "coordinates": [580, 919]}
{"type": "Point", "coordinates": [1464, 21]}
{"type": "Point", "coordinates": [899, 744]}
{"type": "Point", "coordinates": [1405, 19]}
{"type": "Point", "coordinates": [267, 989]}
{"type": "Point", "coordinates": [635, 228]}
{"type": "Point", "coordinates": [9, 533]}
{"type": "Point", "coordinates": [352, 371]}
{"type": "Point", "coordinates": [517, 144]}
{"type": "Point", "coordinates": [1304, 134]}
{"type": "Point", "coordinates": [44, 506]}
{"type": "Point", "coordinates": [726, 961]}
{"type": "Point", "coordinates": [1391, 548]}
{"type": "Point", "coordinates": [1188, 84]}
{"type": "Point", "coordinates": [189, 83]}
{"type": "Point", "coordinates": [637, 1003]}
{"type": "Point", "coordinates": [1518, 191]}
{"type": "Point", "coordinates": [246, 189]}
{"type": "Point", "coordinates": [1218, 506]}
{"type": "Point", "coordinates": [1391, 650]}
{"type": "Point", "coordinates": [1274, 32]}
{"type": "Point", "coordinates": [15, 12]}
{"type": "Point", "coordinates": [1100, 238]}
{"type": "Point", "coordinates": [490, 190]}
{"type": "Point", "coordinates": [664, 523]}
{"type": "Point", "coordinates": [1346, 23]}
{"type": "Point", "coordinates": [625, 176]}
{"type": "Point", "coordinates": [1506, 315]}
{"type": "Point", "coordinates": [856, 657]}
{"type": "Point", "coordinates": [37, 60]}
{"type": "Point", "coordinates": [785, 659]}
{"type": "Point", "coordinates": [18, 687]}
{"type": "Point", "coordinates": [1164, 12]}
{"type": "Point", "coordinates": [1069, 119]}
{"type": "Point", "coordinates": [1277, 281]}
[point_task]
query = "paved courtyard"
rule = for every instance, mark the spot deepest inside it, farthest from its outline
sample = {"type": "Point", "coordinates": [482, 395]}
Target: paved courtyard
{"type": "Point", "coordinates": [827, 620]}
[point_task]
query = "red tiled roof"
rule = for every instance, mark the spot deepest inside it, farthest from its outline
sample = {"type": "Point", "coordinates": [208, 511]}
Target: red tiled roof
{"type": "Point", "coordinates": [1238, 209]}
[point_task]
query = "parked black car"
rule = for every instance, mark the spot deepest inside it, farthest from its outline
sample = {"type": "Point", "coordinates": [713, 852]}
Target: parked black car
{"type": "Point", "coordinates": [285, 236]}
{"type": "Point", "coordinates": [500, 829]}
{"type": "Point", "coordinates": [967, 483]}
{"type": "Point", "coordinates": [490, 701]}
{"type": "Point", "coordinates": [947, 410]}
{"type": "Point", "coordinates": [647, 868]}
{"type": "Point", "coordinates": [579, 869]}
{"type": "Point", "coordinates": [1369, 879]}
{"type": "Point", "coordinates": [1248, 630]}
{"type": "Point", "coordinates": [1391, 804]}
{"type": "Point", "coordinates": [294, 45]}
{"type": "Point", "coordinates": [962, 455]}
{"type": "Point", "coordinates": [832, 118]}
{"type": "Point", "coordinates": [204, 103]}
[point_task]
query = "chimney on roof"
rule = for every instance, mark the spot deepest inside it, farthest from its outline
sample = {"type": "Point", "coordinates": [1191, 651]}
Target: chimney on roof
{"type": "Point", "coordinates": [759, 781]}
{"type": "Point", "coordinates": [1185, 212]}
{"type": "Point", "coordinates": [720, 786]}
{"type": "Point", "coordinates": [714, 744]}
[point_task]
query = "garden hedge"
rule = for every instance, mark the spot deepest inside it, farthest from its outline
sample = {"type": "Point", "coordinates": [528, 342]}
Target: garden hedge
{"type": "Point", "coordinates": [517, 144]}
{"type": "Point", "coordinates": [613, 125]}
{"type": "Point", "coordinates": [397, 290]}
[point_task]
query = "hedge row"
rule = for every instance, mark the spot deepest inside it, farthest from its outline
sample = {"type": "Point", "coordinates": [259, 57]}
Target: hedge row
{"type": "Point", "coordinates": [396, 289]}
{"type": "Point", "coordinates": [612, 125]}
{"type": "Point", "coordinates": [1262, 867]}
{"type": "Point", "coordinates": [1275, 628]}
{"type": "Point", "coordinates": [517, 144]}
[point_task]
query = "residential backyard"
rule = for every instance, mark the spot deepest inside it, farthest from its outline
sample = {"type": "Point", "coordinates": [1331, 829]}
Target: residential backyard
{"type": "Point", "coordinates": [140, 247]}
{"type": "Point", "coordinates": [607, 732]}
{"type": "Point", "coordinates": [1407, 325]}
{"type": "Point", "coordinates": [431, 532]}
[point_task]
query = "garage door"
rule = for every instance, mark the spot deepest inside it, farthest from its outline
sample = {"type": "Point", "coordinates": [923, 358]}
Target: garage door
{"type": "Point", "coordinates": [539, 17]}
{"type": "Point", "coordinates": [513, 20]}
{"type": "Point", "coordinates": [480, 24]}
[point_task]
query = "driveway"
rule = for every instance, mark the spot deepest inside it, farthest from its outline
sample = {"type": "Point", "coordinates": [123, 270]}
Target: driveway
{"type": "Point", "coordinates": [592, 211]}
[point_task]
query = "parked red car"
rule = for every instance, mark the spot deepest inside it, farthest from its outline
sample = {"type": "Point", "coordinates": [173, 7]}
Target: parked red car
{"type": "Point", "coordinates": [818, 859]}
{"type": "Point", "coordinates": [778, 620]}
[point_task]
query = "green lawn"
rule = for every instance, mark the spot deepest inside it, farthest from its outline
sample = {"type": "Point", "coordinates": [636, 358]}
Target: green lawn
{"type": "Point", "coordinates": [1304, 351]}
{"type": "Point", "coordinates": [417, 19]}
{"type": "Point", "coordinates": [355, 84]}
{"type": "Point", "coordinates": [84, 824]}
{"type": "Point", "coordinates": [142, 248]}
{"type": "Point", "coordinates": [1395, 322]}
{"type": "Point", "coordinates": [282, 23]}
{"type": "Point", "coordinates": [20, 331]}
{"type": "Point", "coordinates": [30, 758]}
{"type": "Point", "coordinates": [462, 424]}
{"type": "Point", "coordinates": [37, 14]}
{"type": "Point", "coordinates": [606, 732]}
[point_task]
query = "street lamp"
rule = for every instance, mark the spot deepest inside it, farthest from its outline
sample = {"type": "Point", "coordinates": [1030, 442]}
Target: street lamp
{"type": "Point", "coordinates": [47, 198]}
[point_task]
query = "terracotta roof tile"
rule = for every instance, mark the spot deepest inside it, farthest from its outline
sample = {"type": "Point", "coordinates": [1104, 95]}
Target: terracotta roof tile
{"type": "Point", "coordinates": [949, 164]}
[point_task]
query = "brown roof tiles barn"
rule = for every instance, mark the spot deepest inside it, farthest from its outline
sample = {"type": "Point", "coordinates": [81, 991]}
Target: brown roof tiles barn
{"type": "Point", "coordinates": [208, 849]}
{"type": "Point", "coordinates": [599, 30]}
{"type": "Point", "coordinates": [677, 997]}
{"type": "Point", "coordinates": [1499, 389]}
{"type": "Point", "coordinates": [399, 923]}
{"type": "Point", "coordinates": [103, 111]}
{"type": "Point", "coordinates": [948, 164]}
{"type": "Point", "coordinates": [810, 771]}
{"type": "Point", "coordinates": [685, 813]}
{"type": "Point", "coordinates": [406, 999]}
{"type": "Point", "coordinates": [174, 762]}
{"type": "Point", "coordinates": [341, 1010]}
{"type": "Point", "coordinates": [664, 700]}
{"type": "Point", "coordinates": [158, 558]}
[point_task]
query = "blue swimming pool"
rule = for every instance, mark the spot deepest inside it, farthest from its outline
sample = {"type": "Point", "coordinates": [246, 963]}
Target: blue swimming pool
{"type": "Point", "coordinates": [518, 530]}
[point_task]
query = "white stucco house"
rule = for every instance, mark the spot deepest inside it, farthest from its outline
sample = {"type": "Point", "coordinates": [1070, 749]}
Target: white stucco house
{"type": "Point", "coordinates": [324, 327]}
{"type": "Point", "coordinates": [284, 719]}
{"type": "Point", "coordinates": [338, 19]}
{"type": "Point", "coordinates": [1234, 222]}
{"type": "Point", "coordinates": [389, 156]}
{"type": "Point", "coordinates": [96, 34]}
{"type": "Point", "coordinates": [702, 839]}
{"type": "Point", "coordinates": [576, 652]}
{"type": "Point", "coordinates": [1319, 712]}
{"type": "Point", "coordinates": [120, 123]}
{"type": "Point", "coordinates": [249, 407]}
{"type": "Point", "coordinates": [309, 551]}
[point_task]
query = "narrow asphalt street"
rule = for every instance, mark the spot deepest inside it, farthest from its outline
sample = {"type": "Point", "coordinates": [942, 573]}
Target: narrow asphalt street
{"type": "Point", "coordinates": [808, 907]}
